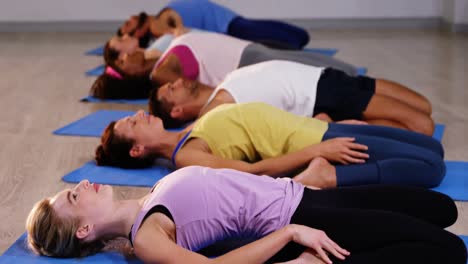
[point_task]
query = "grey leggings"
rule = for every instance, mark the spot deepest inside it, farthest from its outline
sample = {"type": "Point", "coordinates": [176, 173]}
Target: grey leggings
{"type": "Point", "coordinates": [255, 53]}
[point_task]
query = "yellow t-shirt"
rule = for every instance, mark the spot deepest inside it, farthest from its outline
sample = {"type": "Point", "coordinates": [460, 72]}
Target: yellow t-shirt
{"type": "Point", "coordinates": [256, 131]}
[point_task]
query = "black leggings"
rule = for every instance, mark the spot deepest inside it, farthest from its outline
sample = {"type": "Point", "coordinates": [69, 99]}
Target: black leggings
{"type": "Point", "coordinates": [272, 33]}
{"type": "Point", "coordinates": [381, 224]}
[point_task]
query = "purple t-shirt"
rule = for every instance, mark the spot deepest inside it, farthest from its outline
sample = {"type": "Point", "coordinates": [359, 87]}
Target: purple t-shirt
{"type": "Point", "coordinates": [210, 205]}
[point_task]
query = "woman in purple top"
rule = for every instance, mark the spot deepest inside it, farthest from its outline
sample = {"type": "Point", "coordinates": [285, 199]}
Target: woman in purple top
{"type": "Point", "coordinates": [195, 207]}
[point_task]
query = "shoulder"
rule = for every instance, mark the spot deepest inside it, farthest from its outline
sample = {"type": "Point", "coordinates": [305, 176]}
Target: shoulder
{"type": "Point", "coordinates": [157, 229]}
{"type": "Point", "coordinates": [195, 152]}
{"type": "Point", "coordinates": [193, 147]}
{"type": "Point", "coordinates": [153, 244]}
{"type": "Point", "coordinates": [196, 144]}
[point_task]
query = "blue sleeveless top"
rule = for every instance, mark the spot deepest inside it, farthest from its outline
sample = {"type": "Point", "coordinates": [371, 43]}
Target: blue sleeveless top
{"type": "Point", "coordinates": [203, 14]}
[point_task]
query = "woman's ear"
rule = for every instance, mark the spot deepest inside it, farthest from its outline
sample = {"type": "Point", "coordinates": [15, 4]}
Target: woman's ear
{"type": "Point", "coordinates": [137, 151]}
{"type": "Point", "coordinates": [84, 232]}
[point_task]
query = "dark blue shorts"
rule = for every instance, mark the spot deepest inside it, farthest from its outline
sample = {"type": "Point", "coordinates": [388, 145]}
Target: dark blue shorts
{"type": "Point", "coordinates": [342, 96]}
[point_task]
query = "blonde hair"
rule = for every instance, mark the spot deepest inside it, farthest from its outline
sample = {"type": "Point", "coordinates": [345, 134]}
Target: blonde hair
{"type": "Point", "coordinates": [51, 235]}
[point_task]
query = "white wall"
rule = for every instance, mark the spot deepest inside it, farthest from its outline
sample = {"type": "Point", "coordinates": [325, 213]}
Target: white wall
{"type": "Point", "coordinates": [336, 8]}
{"type": "Point", "coordinates": [461, 12]}
{"type": "Point", "coordinates": [109, 10]}
{"type": "Point", "coordinates": [448, 10]}
{"type": "Point", "coordinates": [73, 10]}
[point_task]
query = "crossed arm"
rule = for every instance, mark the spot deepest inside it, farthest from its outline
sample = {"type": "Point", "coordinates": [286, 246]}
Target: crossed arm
{"type": "Point", "coordinates": [172, 19]}
{"type": "Point", "coordinates": [153, 245]}
{"type": "Point", "coordinates": [342, 150]}
{"type": "Point", "coordinates": [169, 21]}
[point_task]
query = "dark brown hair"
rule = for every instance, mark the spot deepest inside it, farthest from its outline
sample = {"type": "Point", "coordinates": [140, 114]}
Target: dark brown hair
{"type": "Point", "coordinates": [115, 151]}
{"type": "Point", "coordinates": [110, 87]}
{"type": "Point", "coordinates": [162, 110]}
{"type": "Point", "coordinates": [110, 54]}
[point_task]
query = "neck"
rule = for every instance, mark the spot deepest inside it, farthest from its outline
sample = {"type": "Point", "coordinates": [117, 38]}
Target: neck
{"type": "Point", "coordinates": [120, 222]}
{"type": "Point", "coordinates": [149, 65]}
{"type": "Point", "coordinates": [198, 101]}
{"type": "Point", "coordinates": [166, 143]}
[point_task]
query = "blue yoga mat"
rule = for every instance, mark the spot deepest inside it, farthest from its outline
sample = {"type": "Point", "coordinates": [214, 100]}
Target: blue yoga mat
{"type": "Point", "coordinates": [362, 71]}
{"type": "Point", "coordinates": [439, 132]}
{"type": "Point", "coordinates": [94, 124]}
{"type": "Point", "coordinates": [91, 99]}
{"type": "Point", "coordinates": [117, 176]}
{"type": "Point", "coordinates": [455, 183]}
{"type": "Point", "coordinates": [96, 71]}
{"type": "Point", "coordinates": [19, 253]}
{"type": "Point", "coordinates": [99, 51]}
{"type": "Point", "coordinates": [465, 239]}
{"type": "Point", "coordinates": [324, 51]}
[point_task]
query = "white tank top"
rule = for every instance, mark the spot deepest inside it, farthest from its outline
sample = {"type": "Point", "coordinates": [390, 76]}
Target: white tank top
{"type": "Point", "coordinates": [217, 54]}
{"type": "Point", "coordinates": [290, 86]}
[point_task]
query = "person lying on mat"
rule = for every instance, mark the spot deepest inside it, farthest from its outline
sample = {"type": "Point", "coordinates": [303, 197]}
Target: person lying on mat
{"type": "Point", "coordinates": [209, 16]}
{"type": "Point", "coordinates": [120, 45]}
{"type": "Point", "coordinates": [193, 55]}
{"type": "Point", "coordinates": [300, 89]}
{"type": "Point", "coordinates": [128, 45]}
{"type": "Point", "coordinates": [261, 139]}
{"type": "Point", "coordinates": [195, 207]}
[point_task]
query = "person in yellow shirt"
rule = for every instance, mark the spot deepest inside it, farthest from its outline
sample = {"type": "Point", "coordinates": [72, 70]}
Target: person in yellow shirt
{"type": "Point", "coordinates": [261, 139]}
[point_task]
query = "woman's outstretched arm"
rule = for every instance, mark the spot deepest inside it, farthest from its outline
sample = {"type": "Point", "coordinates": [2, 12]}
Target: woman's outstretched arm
{"type": "Point", "coordinates": [153, 245]}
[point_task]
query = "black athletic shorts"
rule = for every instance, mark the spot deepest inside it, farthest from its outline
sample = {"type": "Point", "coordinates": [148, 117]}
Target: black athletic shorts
{"type": "Point", "coordinates": [342, 96]}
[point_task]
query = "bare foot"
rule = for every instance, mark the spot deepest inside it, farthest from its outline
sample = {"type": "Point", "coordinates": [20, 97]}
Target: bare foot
{"type": "Point", "coordinates": [320, 173]}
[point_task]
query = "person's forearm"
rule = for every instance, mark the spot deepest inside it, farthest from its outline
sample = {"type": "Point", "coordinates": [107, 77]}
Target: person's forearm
{"type": "Point", "coordinates": [279, 166]}
{"type": "Point", "coordinates": [260, 250]}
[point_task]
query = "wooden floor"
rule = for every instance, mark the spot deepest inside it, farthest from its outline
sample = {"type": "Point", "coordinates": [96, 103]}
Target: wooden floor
{"type": "Point", "coordinates": [42, 78]}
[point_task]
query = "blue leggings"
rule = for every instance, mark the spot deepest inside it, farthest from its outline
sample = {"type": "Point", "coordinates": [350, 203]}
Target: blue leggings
{"type": "Point", "coordinates": [395, 157]}
{"type": "Point", "coordinates": [271, 33]}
